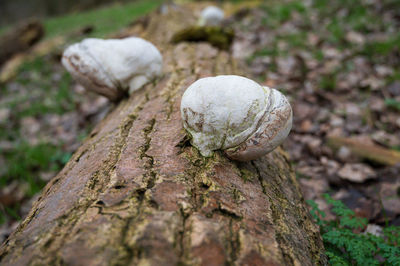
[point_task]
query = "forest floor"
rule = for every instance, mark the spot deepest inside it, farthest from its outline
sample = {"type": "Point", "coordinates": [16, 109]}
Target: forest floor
{"type": "Point", "coordinates": [337, 61]}
{"type": "Point", "coordinates": [340, 66]}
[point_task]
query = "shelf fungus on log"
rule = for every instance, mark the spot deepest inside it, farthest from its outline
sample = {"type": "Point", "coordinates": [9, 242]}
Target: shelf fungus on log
{"type": "Point", "coordinates": [211, 16]}
{"type": "Point", "coordinates": [114, 67]}
{"type": "Point", "coordinates": [135, 194]}
{"type": "Point", "coordinates": [237, 115]}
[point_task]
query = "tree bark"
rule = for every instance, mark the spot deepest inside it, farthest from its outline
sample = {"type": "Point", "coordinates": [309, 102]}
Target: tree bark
{"type": "Point", "coordinates": [137, 193]}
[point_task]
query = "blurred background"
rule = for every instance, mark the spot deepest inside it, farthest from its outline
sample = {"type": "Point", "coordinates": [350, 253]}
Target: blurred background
{"type": "Point", "coordinates": [13, 11]}
{"type": "Point", "coordinates": [338, 62]}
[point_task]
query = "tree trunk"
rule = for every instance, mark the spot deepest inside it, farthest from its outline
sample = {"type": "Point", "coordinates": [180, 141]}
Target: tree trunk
{"type": "Point", "coordinates": [136, 193]}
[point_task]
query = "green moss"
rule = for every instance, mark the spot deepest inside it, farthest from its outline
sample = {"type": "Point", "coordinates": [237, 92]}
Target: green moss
{"type": "Point", "coordinates": [282, 12]}
{"type": "Point", "coordinates": [219, 37]}
{"type": "Point", "coordinates": [328, 82]}
{"type": "Point", "coordinates": [382, 47]}
{"type": "Point", "coordinates": [337, 32]}
{"type": "Point", "coordinates": [392, 103]}
{"type": "Point", "coordinates": [246, 175]}
{"type": "Point", "coordinates": [25, 160]}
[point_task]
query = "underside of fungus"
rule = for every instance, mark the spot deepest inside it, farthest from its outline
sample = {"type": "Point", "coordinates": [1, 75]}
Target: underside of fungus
{"type": "Point", "coordinates": [237, 115]}
{"type": "Point", "coordinates": [113, 67]}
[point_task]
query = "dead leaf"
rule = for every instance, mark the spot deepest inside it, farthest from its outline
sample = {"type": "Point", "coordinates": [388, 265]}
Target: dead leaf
{"type": "Point", "coordinates": [356, 172]}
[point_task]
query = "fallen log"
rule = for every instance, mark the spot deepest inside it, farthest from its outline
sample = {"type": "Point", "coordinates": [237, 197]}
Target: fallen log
{"type": "Point", "coordinates": [137, 193]}
{"type": "Point", "coordinates": [366, 151]}
{"type": "Point", "coordinates": [20, 38]}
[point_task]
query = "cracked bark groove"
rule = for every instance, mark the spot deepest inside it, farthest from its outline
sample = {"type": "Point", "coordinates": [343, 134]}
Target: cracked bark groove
{"type": "Point", "coordinates": [134, 195]}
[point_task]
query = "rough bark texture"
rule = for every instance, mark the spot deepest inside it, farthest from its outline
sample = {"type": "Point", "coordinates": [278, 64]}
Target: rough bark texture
{"type": "Point", "coordinates": [136, 193]}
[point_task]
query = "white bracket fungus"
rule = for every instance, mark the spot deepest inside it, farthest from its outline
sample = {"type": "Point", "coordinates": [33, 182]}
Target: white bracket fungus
{"type": "Point", "coordinates": [237, 115]}
{"type": "Point", "coordinates": [113, 67]}
{"type": "Point", "coordinates": [211, 16]}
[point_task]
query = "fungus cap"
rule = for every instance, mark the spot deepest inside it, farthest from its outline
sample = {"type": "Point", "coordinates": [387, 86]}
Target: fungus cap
{"type": "Point", "coordinates": [211, 16]}
{"type": "Point", "coordinates": [113, 67]}
{"type": "Point", "coordinates": [235, 114]}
